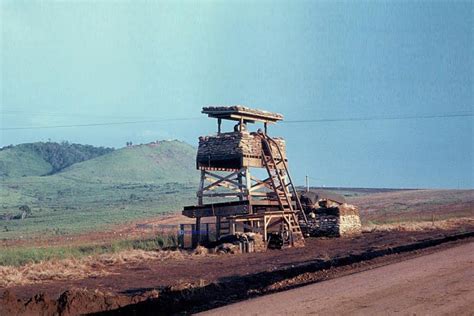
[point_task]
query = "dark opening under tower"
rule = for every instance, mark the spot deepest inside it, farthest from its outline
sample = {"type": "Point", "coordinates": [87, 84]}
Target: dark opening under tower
{"type": "Point", "coordinates": [229, 188]}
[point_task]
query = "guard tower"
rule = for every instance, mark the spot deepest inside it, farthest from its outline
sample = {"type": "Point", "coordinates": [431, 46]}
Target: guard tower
{"type": "Point", "coordinates": [230, 191]}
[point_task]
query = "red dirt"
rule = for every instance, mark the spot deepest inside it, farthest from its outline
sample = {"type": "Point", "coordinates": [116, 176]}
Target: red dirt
{"type": "Point", "coordinates": [132, 283]}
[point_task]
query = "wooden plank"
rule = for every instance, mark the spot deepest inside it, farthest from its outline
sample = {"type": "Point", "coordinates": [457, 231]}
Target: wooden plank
{"type": "Point", "coordinates": [239, 112]}
{"type": "Point", "coordinates": [261, 184]}
{"type": "Point", "coordinates": [253, 229]}
{"type": "Point", "coordinates": [230, 208]}
{"type": "Point", "coordinates": [228, 194]}
{"type": "Point", "coordinates": [216, 211]}
{"type": "Point", "coordinates": [217, 169]}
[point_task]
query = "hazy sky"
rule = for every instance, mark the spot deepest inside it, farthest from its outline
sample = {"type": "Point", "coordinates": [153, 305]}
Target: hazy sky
{"type": "Point", "coordinates": [86, 62]}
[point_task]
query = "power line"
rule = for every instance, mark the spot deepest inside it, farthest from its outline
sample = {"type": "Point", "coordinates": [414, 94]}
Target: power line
{"type": "Point", "coordinates": [382, 118]}
{"type": "Point", "coordinates": [322, 120]}
{"type": "Point", "coordinates": [77, 114]}
{"type": "Point", "coordinates": [99, 124]}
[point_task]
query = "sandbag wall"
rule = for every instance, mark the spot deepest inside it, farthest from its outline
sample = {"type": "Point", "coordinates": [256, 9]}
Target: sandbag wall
{"type": "Point", "coordinates": [228, 146]}
{"type": "Point", "coordinates": [337, 221]}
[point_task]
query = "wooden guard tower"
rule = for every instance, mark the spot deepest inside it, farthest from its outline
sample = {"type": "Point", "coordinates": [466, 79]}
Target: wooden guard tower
{"type": "Point", "coordinates": [232, 193]}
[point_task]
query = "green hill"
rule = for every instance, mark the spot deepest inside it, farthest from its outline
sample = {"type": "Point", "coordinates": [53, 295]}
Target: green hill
{"type": "Point", "coordinates": [161, 162]}
{"type": "Point", "coordinates": [123, 185]}
{"type": "Point", "coordinates": [21, 162]}
{"type": "Point", "coordinates": [43, 158]}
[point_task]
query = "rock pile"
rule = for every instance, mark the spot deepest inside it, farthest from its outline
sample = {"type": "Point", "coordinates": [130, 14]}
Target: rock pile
{"type": "Point", "coordinates": [242, 243]}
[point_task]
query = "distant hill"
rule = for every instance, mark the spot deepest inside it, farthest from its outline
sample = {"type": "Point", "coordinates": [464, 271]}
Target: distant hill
{"type": "Point", "coordinates": [44, 158]}
{"type": "Point", "coordinates": [119, 186]}
{"type": "Point", "coordinates": [20, 162]}
{"type": "Point", "coordinates": [160, 162]}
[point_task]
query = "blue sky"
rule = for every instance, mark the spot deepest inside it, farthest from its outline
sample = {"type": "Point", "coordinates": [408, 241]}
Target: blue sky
{"type": "Point", "coordinates": [73, 63]}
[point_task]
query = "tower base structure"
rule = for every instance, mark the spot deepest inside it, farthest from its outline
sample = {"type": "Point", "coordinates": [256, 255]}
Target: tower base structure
{"type": "Point", "coordinates": [266, 205]}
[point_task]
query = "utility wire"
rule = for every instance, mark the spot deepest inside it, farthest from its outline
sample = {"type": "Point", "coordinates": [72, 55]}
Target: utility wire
{"type": "Point", "coordinates": [76, 114]}
{"type": "Point", "coordinates": [353, 119]}
{"type": "Point", "coordinates": [382, 118]}
{"type": "Point", "coordinates": [98, 124]}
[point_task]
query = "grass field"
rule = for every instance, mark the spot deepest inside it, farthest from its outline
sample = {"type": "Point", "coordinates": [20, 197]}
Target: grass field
{"type": "Point", "coordinates": [414, 206]}
{"type": "Point", "coordinates": [18, 256]}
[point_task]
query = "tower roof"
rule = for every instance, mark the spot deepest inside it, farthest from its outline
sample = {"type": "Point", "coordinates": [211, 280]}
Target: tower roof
{"type": "Point", "coordinates": [237, 112]}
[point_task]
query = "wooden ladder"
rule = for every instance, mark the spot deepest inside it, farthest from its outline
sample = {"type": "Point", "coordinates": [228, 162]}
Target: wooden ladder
{"type": "Point", "coordinates": [296, 234]}
{"type": "Point", "coordinates": [281, 190]}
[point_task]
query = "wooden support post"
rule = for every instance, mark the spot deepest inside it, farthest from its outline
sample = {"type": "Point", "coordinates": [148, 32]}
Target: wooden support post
{"type": "Point", "coordinates": [265, 127]}
{"type": "Point", "coordinates": [201, 187]}
{"type": "Point", "coordinates": [181, 236]}
{"type": "Point", "coordinates": [265, 225]}
{"type": "Point", "coordinates": [248, 187]}
{"type": "Point", "coordinates": [242, 190]}
{"type": "Point", "coordinates": [218, 227]}
{"type": "Point", "coordinates": [241, 125]}
{"type": "Point", "coordinates": [219, 122]}
{"type": "Point", "coordinates": [232, 226]}
{"type": "Point", "coordinates": [197, 232]}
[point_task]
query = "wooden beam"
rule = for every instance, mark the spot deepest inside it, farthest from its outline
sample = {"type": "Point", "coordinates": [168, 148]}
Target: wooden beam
{"type": "Point", "coordinates": [222, 181]}
{"type": "Point", "coordinates": [262, 184]}
{"type": "Point", "coordinates": [228, 194]}
{"type": "Point", "coordinates": [253, 229]}
{"type": "Point", "coordinates": [216, 211]}
{"type": "Point", "coordinates": [215, 177]}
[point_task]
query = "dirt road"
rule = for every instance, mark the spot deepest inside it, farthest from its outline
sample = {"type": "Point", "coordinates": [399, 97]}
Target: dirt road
{"type": "Point", "coordinates": [435, 284]}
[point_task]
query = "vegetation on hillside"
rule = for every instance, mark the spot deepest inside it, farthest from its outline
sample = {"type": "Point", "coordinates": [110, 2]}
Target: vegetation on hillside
{"type": "Point", "coordinates": [16, 162]}
{"type": "Point", "coordinates": [161, 162]}
{"type": "Point", "coordinates": [123, 185]}
{"type": "Point", "coordinates": [44, 158]}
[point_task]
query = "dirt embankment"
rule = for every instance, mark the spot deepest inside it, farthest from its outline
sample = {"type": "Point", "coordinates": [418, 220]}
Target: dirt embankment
{"type": "Point", "coordinates": [81, 268]}
{"type": "Point", "coordinates": [209, 281]}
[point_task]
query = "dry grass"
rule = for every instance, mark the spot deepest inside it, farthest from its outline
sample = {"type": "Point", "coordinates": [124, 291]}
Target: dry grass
{"type": "Point", "coordinates": [201, 251]}
{"type": "Point", "coordinates": [74, 269]}
{"type": "Point", "coordinates": [66, 269]}
{"type": "Point", "coordinates": [448, 224]}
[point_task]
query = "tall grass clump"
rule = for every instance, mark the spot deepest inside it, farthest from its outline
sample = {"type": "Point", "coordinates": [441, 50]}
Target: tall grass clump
{"type": "Point", "coordinates": [24, 255]}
